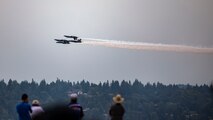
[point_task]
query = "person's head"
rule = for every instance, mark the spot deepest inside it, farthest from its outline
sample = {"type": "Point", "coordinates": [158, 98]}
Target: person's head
{"type": "Point", "coordinates": [118, 99]}
{"type": "Point", "coordinates": [73, 97]}
{"type": "Point", "coordinates": [24, 97]}
{"type": "Point", "coordinates": [35, 103]}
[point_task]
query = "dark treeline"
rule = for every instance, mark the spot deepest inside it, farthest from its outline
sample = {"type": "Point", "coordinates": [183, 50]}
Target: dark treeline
{"type": "Point", "coordinates": [142, 101]}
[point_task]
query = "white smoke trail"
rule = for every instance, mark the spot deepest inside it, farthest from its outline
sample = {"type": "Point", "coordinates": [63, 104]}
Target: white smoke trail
{"type": "Point", "coordinates": [147, 46]}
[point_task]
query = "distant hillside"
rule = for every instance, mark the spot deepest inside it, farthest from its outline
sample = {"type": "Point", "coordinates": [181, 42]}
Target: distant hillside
{"type": "Point", "coordinates": [142, 101]}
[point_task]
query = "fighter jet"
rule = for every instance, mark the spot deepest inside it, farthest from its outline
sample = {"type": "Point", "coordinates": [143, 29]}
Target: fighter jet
{"type": "Point", "coordinates": [74, 37]}
{"type": "Point", "coordinates": [64, 41]}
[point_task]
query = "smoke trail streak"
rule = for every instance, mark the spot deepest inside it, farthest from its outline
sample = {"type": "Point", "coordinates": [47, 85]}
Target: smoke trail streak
{"type": "Point", "coordinates": [147, 46]}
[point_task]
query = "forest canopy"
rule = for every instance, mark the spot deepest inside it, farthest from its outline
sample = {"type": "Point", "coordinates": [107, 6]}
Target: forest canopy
{"type": "Point", "coordinates": [150, 101]}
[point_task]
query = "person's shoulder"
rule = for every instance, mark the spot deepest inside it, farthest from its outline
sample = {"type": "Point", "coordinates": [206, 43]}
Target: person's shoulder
{"type": "Point", "coordinates": [75, 104]}
{"type": "Point", "coordinates": [26, 104]}
{"type": "Point", "coordinates": [21, 104]}
{"type": "Point", "coordinates": [113, 105]}
{"type": "Point", "coordinates": [120, 105]}
{"type": "Point", "coordinates": [117, 105]}
{"type": "Point", "coordinates": [37, 108]}
{"type": "Point", "coordinates": [17, 105]}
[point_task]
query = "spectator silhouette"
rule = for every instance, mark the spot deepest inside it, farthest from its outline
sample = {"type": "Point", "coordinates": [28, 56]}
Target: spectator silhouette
{"type": "Point", "coordinates": [75, 107]}
{"type": "Point", "coordinates": [24, 109]}
{"type": "Point", "coordinates": [36, 109]}
{"type": "Point", "coordinates": [117, 110]}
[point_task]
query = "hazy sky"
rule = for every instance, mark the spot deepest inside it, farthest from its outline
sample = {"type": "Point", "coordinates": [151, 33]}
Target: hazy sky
{"type": "Point", "coordinates": [28, 27]}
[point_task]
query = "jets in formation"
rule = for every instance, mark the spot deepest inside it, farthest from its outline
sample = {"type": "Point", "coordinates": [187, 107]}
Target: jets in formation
{"type": "Point", "coordinates": [74, 39]}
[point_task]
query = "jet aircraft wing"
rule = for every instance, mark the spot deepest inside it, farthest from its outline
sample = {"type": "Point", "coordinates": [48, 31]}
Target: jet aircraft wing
{"type": "Point", "coordinates": [74, 37]}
